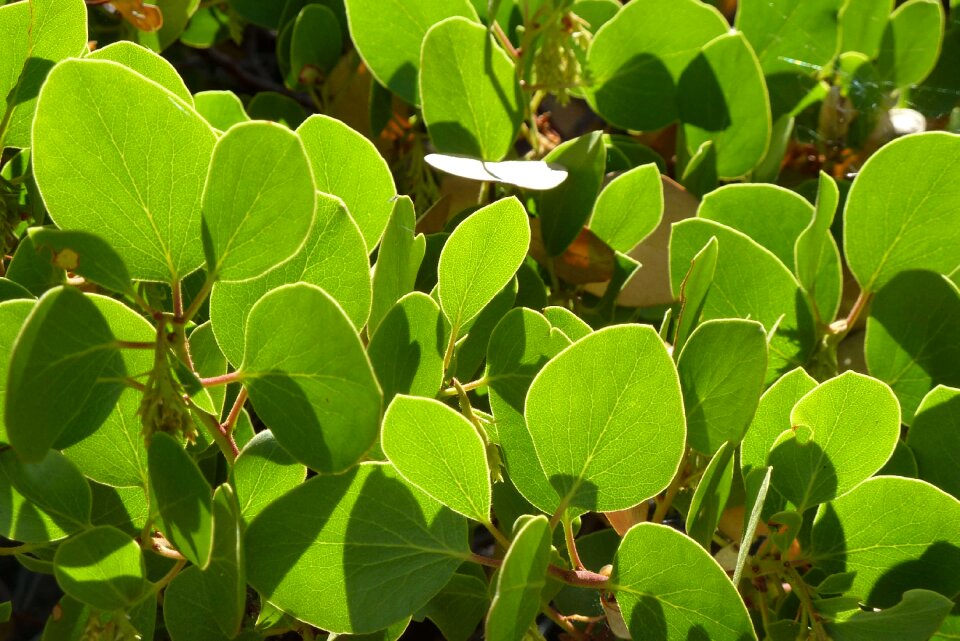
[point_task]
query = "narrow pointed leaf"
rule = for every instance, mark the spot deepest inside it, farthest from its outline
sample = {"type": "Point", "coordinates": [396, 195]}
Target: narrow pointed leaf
{"type": "Point", "coordinates": [399, 258]}
{"type": "Point", "coordinates": [693, 293]}
{"type": "Point", "coordinates": [710, 497]}
{"type": "Point", "coordinates": [816, 257]}
{"type": "Point", "coordinates": [102, 567]}
{"type": "Point", "coordinates": [520, 581]}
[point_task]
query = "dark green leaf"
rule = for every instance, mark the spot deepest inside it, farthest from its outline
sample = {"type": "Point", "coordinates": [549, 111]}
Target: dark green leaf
{"type": "Point", "coordinates": [520, 581]}
{"type": "Point", "coordinates": [102, 567]}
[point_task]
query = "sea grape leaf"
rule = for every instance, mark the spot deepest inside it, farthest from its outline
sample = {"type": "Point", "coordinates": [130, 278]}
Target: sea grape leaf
{"type": "Point", "coordinates": [916, 617]}
{"type": "Point", "coordinates": [407, 349]}
{"type": "Point", "coordinates": [896, 534]}
{"type": "Point", "coordinates": [862, 23]}
{"type": "Point", "coordinates": [472, 101]}
{"type": "Point", "coordinates": [222, 109]}
{"type": "Point", "coordinates": [772, 417]}
{"type": "Point", "coordinates": [349, 166]}
{"type": "Point", "coordinates": [87, 255]}
{"type": "Point", "coordinates": [748, 282]}
{"type": "Point", "coordinates": [842, 433]}
{"type": "Point", "coordinates": [182, 499]}
{"type": "Point", "coordinates": [564, 211]}
{"type": "Point", "coordinates": [722, 370]}
{"type": "Point", "coordinates": [723, 99]}
{"type": "Point", "coordinates": [389, 36]}
{"type": "Point", "coordinates": [637, 58]}
{"type": "Point", "coordinates": [129, 178]}
{"type": "Point", "coordinates": [13, 313]}
{"type": "Point", "coordinates": [572, 326]}
{"type": "Point", "coordinates": [147, 64]}
{"type": "Point", "coordinates": [780, 32]}
{"type": "Point", "coordinates": [259, 202]}
{"type": "Point", "coordinates": [312, 385]}
{"type": "Point", "coordinates": [52, 485]}
{"type": "Point", "coordinates": [521, 344]}
{"type": "Point", "coordinates": [672, 605]}
{"type": "Point", "coordinates": [66, 348]}
{"type": "Point", "coordinates": [36, 34]}
{"type": "Point", "coordinates": [333, 257]}
{"type": "Point", "coordinates": [891, 225]}
{"type": "Point", "coordinates": [520, 581]}
{"type": "Point", "coordinates": [458, 607]}
{"type": "Point", "coordinates": [913, 336]}
{"type": "Point", "coordinates": [710, 497]}
{"type": "Point", "coordinates": [693, 293]}
{"type": "Point", "coordinates": [816, 256]}
{"type": "Point", "coordinates": [608, 432]}
{"type": "Point", "coordinates": [333, 526]}
{"type": "Point", "coordinates": [263, 473]}
{"type": "Point", "coordinates": [102, 567]}
{"type": "Point", "coordinates": [934, 438]}
{"type": "Point", "coordinates": [911, 43]}
{"type": "Point", "coordinates": [399, 258]}
{"type": "Point", "coordinates": [438, 450]}
{"type": "Point", "coordinates": [479, 259]}
{"type": "Point", "coordinates": [629, 208]}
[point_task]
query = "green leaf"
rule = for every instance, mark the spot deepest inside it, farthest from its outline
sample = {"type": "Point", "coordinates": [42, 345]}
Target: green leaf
{"type": "Point", "coordinates": [259, 202]}
{"type": "Point", "coordinates": [913, 336]}
{"type": "Point", "coordinates": [772, 417]}
{"type": "Point", "coordinates": [472, 101]}
{"type": "Point", "coordinates": [33, 269]}
{"type": "Point", "coordinates": [710, 497]}
{"type": "Point", "coordinates": [312, 385]}
{"type": "Point", "coordinates": [263, 473]}
{"type": "Point", "coordinates": [892, 226]}
{"type": "Point", "coordinates": [637, 58]}
{"type": "Point", "coordinates": [780, 32]}
{"type": "Point", "coordinates": [479, 259]}
{"type": "Point", "coordinates": [520, 581]}
{"type": "Point", "coordinates": [722, 370]}
{"type": "Point", "coordinates": [6, 609]}
{"type": "Point", "coordinates": [102, 567]}
{"type": "Point", "coordinates": [52, 485]}
{"type": "Point", "coordinates": [565, 209]}
{"type": "Point", "coordinates": [208, 361]}
{"type": "Point", "coordinates": [189, 612]}
{"type": "Point", "coordinates": [277, 107]}
{"type": "Point", "coordinates": [915, 618]}
{"type": "Point", "coordinates": [407, 350]}
{"type": "Point", "coordinates": [128, 178]}
{"type": "Point", "coordinates": [934, 439]}
{"type": "Point", "coordinates": [13, 313]}
{"type": "Point", "coordinates": [842, 433]}
{"type": "Point", "coordinates": [208, 27]}
{"type": "Point", "coordinates": [224, 579]}
{"type": "Point", "coordinates": [816, 256]}
{"type": "Point", "coordinates": [749, 282]}
{"type": "Point", "coordinates": [471, 351]}
{"type": "Point", "coordinates": [399, 258]}
{"type": "Point", "coordinates": [333, 257]}
{"type": "Point", "coordinates": [756, 486]}
{"type": "Point", "coordinates": [700, 173]}
{"type": "Point", "coordinates": [897, 534]}
{"type": "Point", "coordinates": [124, 508]}
{"type": "Point", "coordinates": [222, 109]}
{"type": "Point", "coordinates": [693, 292]}
{"type": "Point", "coordinates": [862, 23]}
{"type": "Point", "coordinates": [439, 451]}
{"type": "Point", "coordinates": [520, 345]}
{"type": "Point", "coordinates": [176, 14]}
{"type": "Point", "coordinates": [67, 349]}
{"type": "Point", "coordinates": [10, 290]}
{"type": "Point", "coordinates": [333, 526]}
{"type": "Point", "coordinates": [459, 607]}
{"type": "Point", "coordinates": [316, 41]}
{"type": "Point", "coordinates": [182, 499]}
{"type": "Point", "coordinates": [349, 166]}
{"type": "Point", "coordinates": [264, 14]}
{"type": "Point", "coordinates": [723, 99]}
{"type": "Point", "coordinates": [36, 34]}
{"type": "Point", "coordinates": [572, 326]}
{"type": "Point", "coordinates": [698, 602]}
{"type": "Point", "coordinates": [389, 36]}
{"type": "Point", "coordinates": [911, 43]}
{"type": "Point", "coordinates": [629, 208]}
{"type": "Point", "coordinates": [608, 432]}
{"type": "Point", "coordinates": [86, 255]}
{"type": "Point", "coordinates": [146, 63]}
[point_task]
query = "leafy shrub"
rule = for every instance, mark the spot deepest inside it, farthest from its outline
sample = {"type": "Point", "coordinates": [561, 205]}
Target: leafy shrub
{"type": "Point", "coordinates": [248, 391]}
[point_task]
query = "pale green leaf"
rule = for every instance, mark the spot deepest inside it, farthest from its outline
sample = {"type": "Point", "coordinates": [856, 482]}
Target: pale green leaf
{"type": "Point", "coordinates": [862, 23]}
{"type": "Point", "coordinates": [399, 258]}
{"type": "Point", "coordinates": [911, 43]}
{"type": "Point", "coordinates": [629, 208]}
{"type": "Point", "coordinates": [222, 109]}
{"type": "Point", "coordinates": [148, 64]}
{"type": "Point", "coordinates": [572, 326]}
{"type": "Point", "coordinates": [520, 581]}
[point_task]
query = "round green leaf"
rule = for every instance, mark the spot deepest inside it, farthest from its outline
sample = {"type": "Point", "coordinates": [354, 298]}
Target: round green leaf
{"type": "Point", "coordinates": [723, 99]}
{"type": "Point", "coordinates": [911, 43]}
{"type": "Point", "coordinates": [389, 35]}
{"type": "Point", "coordinates": [572, 326]}
{"type": "Point", "coordinates": [699, 602]}
{"type": "Point", "coordinates": [636, 59]}
{"type": "Point", "coordinates": [222, 109]}
{"type": "Point", "coordinates": [316, 41]}
{"type": "Point", "coordinates": [894, 222]}
{"type": "Point", "coordinates": [13, 313]}
{"type": "Point", "coordinates": [311, 384]}
{"type": "Point", "coordinates": [439, 451]}
{"type": "Point", "coordinates": [722, 370]}
{"type": "Point", "coordinates": [781, 33]}
{"type": "Point", "coordinates": [862, 23]}
{"type": "Point", "coordinates": [147, 64]}
{"type": "Point", "coordinates": [479, 259]}
{"type": "Point", "coordinates": [66, 349]}
{"type": "Point", "coordinates": [629, 208]}
{"type": "Point", "coordinates": [263, 473]}
{"type": "Point", "coordinates": [934, 439]}
{"type": "Point", "coordinates": [102, 567]}
{"type": "Point", "coordinates": [259, 202]}
{"type": "Point", "coordinates": [606, 418]}
{"type": "Point", "coordinates": [85, 255]}
{"type": "Point", "coordinates": [895, 534]}
{"type": "Point", "coordinates": [913, 336]}
{"type": "Point", "coordinates": [842, 433]}
{"type": "Point", "coordinates": [52, 485]}
{"type": "Point", "coordinates": [347, 165]}
{"type": "Point", "coordinates": [131, 175]}
{"type": "Point", "coordinates": [520, 581]}
{"type": "Point", "coordinates": [188, 610]}
{"type": "Point", "coordinates": [333, 527]}
{"type": "Point", "coordinates": [472, 101]}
